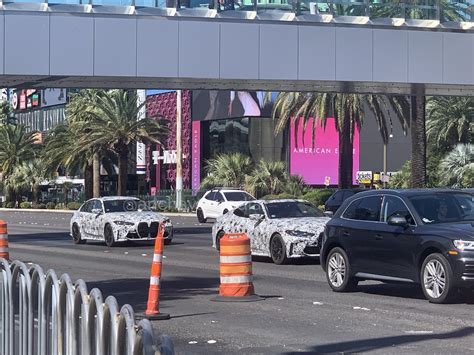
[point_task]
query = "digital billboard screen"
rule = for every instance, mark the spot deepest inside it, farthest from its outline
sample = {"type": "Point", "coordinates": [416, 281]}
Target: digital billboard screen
{"type": "Point", "coordinates": [319, 162]}
{"type": "Point", "coordinates": [222, 104]}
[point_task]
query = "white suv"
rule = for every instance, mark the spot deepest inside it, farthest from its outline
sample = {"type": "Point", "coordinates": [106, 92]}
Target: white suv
{"type": "Point", "coordinates": [217, 202]}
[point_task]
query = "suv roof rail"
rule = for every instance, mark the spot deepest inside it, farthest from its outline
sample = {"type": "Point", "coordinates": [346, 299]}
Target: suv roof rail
{"type": "Point", "coordinates": [225, 188]}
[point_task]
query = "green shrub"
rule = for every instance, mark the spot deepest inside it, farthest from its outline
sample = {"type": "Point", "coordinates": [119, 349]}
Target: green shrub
{"type": "Point", "coordinates": [40, 206]}
{"type": "Point", "coordinates": [318, 197]}
{"type": "Point", "coordinates": [50, 205]}
{"type": "Point", "coordinates": [10, 204]}
{"type": "Point", "coordinates": [73, 205]}
{"type": "Point", "coordinates": [1, 204]}
{"type": "Point", "coordinates": [60, 206]}
{"type": "Point", "coordinates": [25, 205]}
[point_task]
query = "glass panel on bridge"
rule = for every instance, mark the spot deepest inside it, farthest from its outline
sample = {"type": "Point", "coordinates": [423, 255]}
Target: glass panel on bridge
{"type": "Point", "coordinates": [162, 4]}
{"type": "Point", "coordinates": [316, 7]}
{"type": "Point", "coordinates": [386, 9]}
{"type": "Point", "coordinates": [349, 8]}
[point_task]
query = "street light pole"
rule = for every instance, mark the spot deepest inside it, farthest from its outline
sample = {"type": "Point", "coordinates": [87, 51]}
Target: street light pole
{"type": "Point", "coordinates": [385, 164]}
{"type": "Point", "coordinates": [179, 170]}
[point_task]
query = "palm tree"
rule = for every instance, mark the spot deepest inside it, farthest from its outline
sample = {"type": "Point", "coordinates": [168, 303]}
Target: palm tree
{"type": "Point", "coordinates": [16, 147]}
{"type": "Point", "coordinates": [450, 120]}
{"type": "Point", "coordinates": [6, 113]}
{"type": "Point", "coordinates": [454, 11]}
{"type": "Point", "coordinates": [114, 125]}
{"type": "Point", "coordinates": [229, 170]}
{"type": "Point", "coordinates": [347, 110]}
{"type": "Point", "coordinates": [267, 178]}
{"type": "Point", "coordinates": [80, 112]}
{"type": "Point", "coordinates": [457, 167]}
{"type": "Point", "coordinates": [26, 179]}
{"type": "Point", "coordinates": [61, 149]}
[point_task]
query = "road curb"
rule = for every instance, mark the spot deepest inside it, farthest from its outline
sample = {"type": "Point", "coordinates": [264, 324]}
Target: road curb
{"type": "Point", "coordinates": [170, 214]}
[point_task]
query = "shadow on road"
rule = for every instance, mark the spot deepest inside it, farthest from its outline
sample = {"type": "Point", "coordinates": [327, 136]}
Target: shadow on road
{"type": "Point", "coordinates": [39, 237]}
{"type": "Point", "coordinates": [410, 291]}
{"type": "Point", "coordinates": [364, 345]}
{"type": "Point", "coordinates": [192, 230]}
{"type": "Point", "coordinates": [295, 261]}
{"type": "Point", "coordinates": [135, 291]}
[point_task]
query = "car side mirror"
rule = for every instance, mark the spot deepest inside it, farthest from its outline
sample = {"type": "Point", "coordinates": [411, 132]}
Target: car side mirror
{"type": "Point", "coordinates": [256, 217]}
{"type": "Point", "coordinates": [97, 211]}
{"type": "Point", "coordinates": [329, 214]}
{"type": "Point", "coordinates": [398, 221]}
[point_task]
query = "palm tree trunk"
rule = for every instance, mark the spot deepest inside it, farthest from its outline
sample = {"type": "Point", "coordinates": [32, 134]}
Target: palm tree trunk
{"type": "Point", "coordinates": [345, 155]}
{"type": "Point", "coordinates": [88, 182]}
{"type": "Point", "coordinates": [96, 175]}
{"type": "Point", "coordinates": [418, 142]}
{"type": "Point", "coordinates": [36, 192]}
{"type": "Point", "coordinates": [123, 172]}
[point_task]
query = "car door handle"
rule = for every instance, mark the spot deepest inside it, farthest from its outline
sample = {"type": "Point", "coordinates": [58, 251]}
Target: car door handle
{"type": "Point", "coordinates": [378, 237]}
{"type": "Point", "coordinates": [346, 233]}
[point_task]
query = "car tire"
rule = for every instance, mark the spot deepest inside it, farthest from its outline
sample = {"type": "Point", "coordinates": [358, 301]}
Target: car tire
{"type": "Point", "coordinates": [219, 235]}
{"type": "Point", "coordinates": [436, 276]}
{"type": "Point", "coordinates": [225, 211]}
{"type": "Point", "coordinates": [200, 216]}
{"type": "Point", "coordinates": [278, 250]}
{"type": "Point", "coordinates": [338, 271]}
{"type": "Point", "coordinates": [168, 241]}
{"type": "Point", "coordinates": [76, 235]}
{"type": "Point", "coordinates": [109, 236]}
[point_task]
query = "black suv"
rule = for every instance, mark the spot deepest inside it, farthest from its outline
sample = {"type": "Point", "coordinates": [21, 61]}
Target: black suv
{"type": "Point", "coordinates": [336, 199]}
{"type": "Point", "coordinates": [423, 236]}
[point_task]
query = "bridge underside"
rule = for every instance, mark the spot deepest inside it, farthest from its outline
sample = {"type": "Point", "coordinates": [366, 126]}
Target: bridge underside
{"type": "Point", "coordinates": [108, 82]}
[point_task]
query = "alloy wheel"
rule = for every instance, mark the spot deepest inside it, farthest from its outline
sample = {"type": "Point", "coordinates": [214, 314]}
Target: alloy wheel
{"type": "Point", "coordinates": [434, 278]}
{"type": "Point", "coordinates": [336, 269]}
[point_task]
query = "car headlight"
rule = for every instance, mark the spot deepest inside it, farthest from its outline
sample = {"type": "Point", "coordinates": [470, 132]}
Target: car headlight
{"type": "Point", "coordinates": [301, 234]}
{"type": "Point", "coordinates": [123, 223]}
{"type": "Point", "coordinates": [463, 244]}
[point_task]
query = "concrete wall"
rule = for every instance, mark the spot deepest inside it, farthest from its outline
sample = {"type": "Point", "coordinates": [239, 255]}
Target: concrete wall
{"type": "Point", "coordinates": [114, 50]}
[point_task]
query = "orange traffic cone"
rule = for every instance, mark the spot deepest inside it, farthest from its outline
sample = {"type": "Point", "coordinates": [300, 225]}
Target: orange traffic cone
{"type": "Point", "coordinates": [236, 270]}
{"type": "Point", "coordinates": [4, 252]}
{"type": "Point", "coordinates": [153, 304]}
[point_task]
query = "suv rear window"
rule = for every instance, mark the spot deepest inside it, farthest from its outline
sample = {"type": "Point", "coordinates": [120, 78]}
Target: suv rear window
{"type": "Point", "coordinates": [365, 209]}
{"type": "Point", "coordinates": [238, 196]}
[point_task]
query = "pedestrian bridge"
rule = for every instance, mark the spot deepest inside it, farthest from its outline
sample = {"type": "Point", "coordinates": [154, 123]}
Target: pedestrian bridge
{"type": "Point", "coordinates": [245, 45]}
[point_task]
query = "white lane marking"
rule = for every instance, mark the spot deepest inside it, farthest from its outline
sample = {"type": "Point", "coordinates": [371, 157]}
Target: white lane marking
{"type": "Point", "coordinates": [164, 256]}
{"type": "Point", "coordinates": [213, 321]}
{"type": "Point", "coordinates": [144, 254]}
{"type": "Point", "coordinates": [125, 252]}
{"type": "Point", "coordinates": [361, 308]}
{"type": "Point", "coordinates": [318, 303]}
{"type": "Point", "coordinates": [192, 342]}
{"type": "Point", "coordinates": [419, 331]}
{"type": "Point", "coordinates": [106, 251]}
{"type": "Point", "coordinates": [281, 298]}
{"type": "Point", "coordinates": [211, 341]}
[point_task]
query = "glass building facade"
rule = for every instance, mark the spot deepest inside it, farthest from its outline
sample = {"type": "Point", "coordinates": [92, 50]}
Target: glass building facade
{"type": "Point", "coordinates": [442, 10]}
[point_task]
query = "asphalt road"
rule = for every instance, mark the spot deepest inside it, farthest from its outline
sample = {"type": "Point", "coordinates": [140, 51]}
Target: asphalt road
{"type": "Point", "coordinates": [299, 314]}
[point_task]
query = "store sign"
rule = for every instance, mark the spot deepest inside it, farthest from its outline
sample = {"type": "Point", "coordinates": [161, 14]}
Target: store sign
{"type": "Point", "coordinates": [168, 157]}
{"type": "Point", "coordinates": [196, 156]}
{"type": "Point", "coordinates": [318, 163]}
{"type": "Point", "coordinates": [364, 177]}
{"type": "Point", "coordinates": [53, 97]}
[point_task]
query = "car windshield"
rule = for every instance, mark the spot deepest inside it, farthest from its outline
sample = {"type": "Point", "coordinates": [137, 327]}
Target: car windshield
{"type": "Point", "coordinates": [444, 207]}
{"type": "Point", "coordinates": [292, 209]}
{"type": "Point", "coordinates": [113, 206]}
{"type": "Point", "coordinates": [238, 196]}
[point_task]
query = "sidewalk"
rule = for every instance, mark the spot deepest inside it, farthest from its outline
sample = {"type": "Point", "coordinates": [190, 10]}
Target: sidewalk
{"type": "Point", "coordinates": [33, 210]}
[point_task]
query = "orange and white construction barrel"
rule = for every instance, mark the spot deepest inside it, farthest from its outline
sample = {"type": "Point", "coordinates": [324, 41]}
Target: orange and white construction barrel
{"type": "Point", "coordinates": [236, 279]}
{"type": "Point", "coordinates": [4, 251]}
{"type": "Point", "coordinates": [153, 304]}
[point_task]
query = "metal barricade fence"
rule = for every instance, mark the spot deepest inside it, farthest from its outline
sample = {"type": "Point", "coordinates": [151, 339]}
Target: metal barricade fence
{"type": "Point", "coordinates": [46, 315]}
